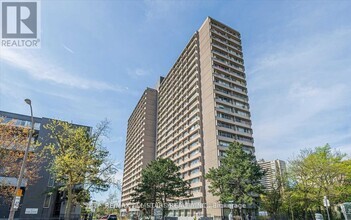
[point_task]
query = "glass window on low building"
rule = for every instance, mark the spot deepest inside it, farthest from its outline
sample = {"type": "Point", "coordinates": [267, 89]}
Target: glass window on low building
{"type": "Point", "coordinates": [51, 181]}
{"type": "Point", "coordinates": [47, 201]}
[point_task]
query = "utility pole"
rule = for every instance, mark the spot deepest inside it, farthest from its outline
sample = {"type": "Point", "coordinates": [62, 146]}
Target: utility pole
{"type": "Point", "coordinates": [326, 204]}
{"type": "Point", "coordinates": [16, 198]}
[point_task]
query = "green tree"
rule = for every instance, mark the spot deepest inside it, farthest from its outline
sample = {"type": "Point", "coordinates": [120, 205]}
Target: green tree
{"type": "Point", "coordinates": [237, 178]}
{"type": "Point", "coordinates": [272, 200]}
{"type": "Point", "coordinates": [161, 183]}
{"type": "Point", "coordinates": [109, 206]}
{"type": "Point", "coordinates": [316, 173]}
{"type": "Point", "coordinates": [80, 164]}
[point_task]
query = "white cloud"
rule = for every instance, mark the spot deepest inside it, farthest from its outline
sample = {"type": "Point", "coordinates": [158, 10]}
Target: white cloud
{"type": "Point", "coordinates": [138, 72]}
{"type": "Point", "coordinates": [41, 68]}
{"type": "Point", "coordinates": [68, 49]}
{"type": "Point", "coordinates": [299, 93]}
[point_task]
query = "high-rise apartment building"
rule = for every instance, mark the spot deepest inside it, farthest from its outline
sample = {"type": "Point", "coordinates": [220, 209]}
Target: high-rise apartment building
{"type": "Point", "coordinates": [202, 108]}
{"type": "Point", "coordinates": [274, 169]}
{"type": "Point", "coordinates": [140, 142]}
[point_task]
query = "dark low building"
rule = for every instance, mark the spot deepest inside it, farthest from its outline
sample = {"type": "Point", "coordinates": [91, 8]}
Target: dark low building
{"type": "Point", "coordinates": [36, 203]}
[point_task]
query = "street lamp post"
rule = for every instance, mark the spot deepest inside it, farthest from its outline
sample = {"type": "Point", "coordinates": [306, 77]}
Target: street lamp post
{"type": "Point", "coordinates": [230, 216]}
{"type": "Point", "coordinates": [326, 204]}
{"type": "Point", "coordinates": [19, 181]}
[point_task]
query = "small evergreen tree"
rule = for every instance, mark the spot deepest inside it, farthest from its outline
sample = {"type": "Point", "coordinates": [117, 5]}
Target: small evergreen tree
{"type": "Point", "coordinates": [161, 183]}
{"type": "Point", "coordinates": [237, 178]}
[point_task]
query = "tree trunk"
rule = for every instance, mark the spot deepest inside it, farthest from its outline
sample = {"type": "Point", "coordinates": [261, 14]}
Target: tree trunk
{"type": "Point", "coordinates": [68, 208]}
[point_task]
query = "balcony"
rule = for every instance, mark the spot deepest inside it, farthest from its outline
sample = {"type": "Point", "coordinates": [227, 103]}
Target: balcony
{"type": "Point", "coordinates": [229, 71]}
{"type": "Point", "coordinates": [218, 53]}
{"type": "Point", "coordinates": [224, 47]}
{"type": "Point", "coordinates": [237, 67]}
{"type": "Point", "coordinates": [225, 30]}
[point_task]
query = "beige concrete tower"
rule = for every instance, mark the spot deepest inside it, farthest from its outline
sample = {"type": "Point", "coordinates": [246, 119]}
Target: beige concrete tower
{"type": "Point", "coordinates": [202, 108]}
{"type": "Point", "coordinates": [274, 170]}
{"type": "Point", "coordinates": [140, 143]}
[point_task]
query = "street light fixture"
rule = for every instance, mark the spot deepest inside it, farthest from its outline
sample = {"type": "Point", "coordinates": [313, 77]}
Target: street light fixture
{"type": "Point", "coordinates": [28, 101]}
{"type": "Point", "coordinates": [19, 181]}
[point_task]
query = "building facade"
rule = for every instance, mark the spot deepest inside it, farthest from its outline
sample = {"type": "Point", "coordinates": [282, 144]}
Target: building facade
{"type": "Point", "coordinates": [274, 170]}
{"type": "Point", "coordinates": [202, 108]}
{"type": "Point", "coordinates": [35, 203]}
{"type": "Point", "coordinates": [140, 143]}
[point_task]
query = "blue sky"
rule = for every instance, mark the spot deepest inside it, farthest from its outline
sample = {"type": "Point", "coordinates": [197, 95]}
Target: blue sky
{"type": "Point", "coordinates": [97, 57]}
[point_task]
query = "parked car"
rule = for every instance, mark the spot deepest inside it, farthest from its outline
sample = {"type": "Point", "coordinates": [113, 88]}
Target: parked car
{"type": "Point", "coordinates": [134, 217]}
{"type": "Point", "coordinates": [112, 217]}
{"type": "Point", "coordinates": [318, 216]}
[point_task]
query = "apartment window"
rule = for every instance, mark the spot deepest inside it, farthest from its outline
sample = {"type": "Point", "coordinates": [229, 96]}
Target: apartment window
{"type": "Point", "coordinates": [225, 125]}
{"type": "Point", "coordinates": [225, 116]}
{"type": "Point", "coordinates": [195, 180]}
{"type": "Point", "coordinates": [226, 134]}
{"type": "Point", "coordinates": [242, 113]}
{"type": "Point", "coordinates": [193, 119]}
{"type": "Point", "coordinates": [194, 171]}
{"type": "Point", "coordinates": [47, 201]}
{"type": "Point", "coordinates": [194, 152]}
{"type": "Point", "coordinates": [247, 149]}
{"type": "Point", "coordinates": [193, 127]}
{"type": "Point", "coordinates": [244, 130]}
{"type": "Point", "coordinates": [193, 136]}
{"type": "Point", "coordinates": [220, 59]}
{"type": "Point", "coordinates": [193, 144]}
{"type": "Point", "coordinates": [194, 162]}
{"type": "Point", "coordinates": [242, 121]}
{"type": "Point", "coordinates": [224, 143]}
{"type": "Point", "coordinates": [222, 153]}
{"type": "Point", "coordinates": [169, 152]}
{"type": "Point", "coordinates": [224, 99]}
{"type": "Point", "coordinates": [51, 181]}
{"type": "Point", "coordinates": [242, 105]}
{"type": "Point", "coordinates": [36, 126]}
{"type": "Point", "coordinates": [196, 189]}
{"type": "Point", "coordinates": [241, 138]}
{"type": "Point", "coordinates": [223, 83]}
{"type": "Point", "coordinates": [195, 200]}
{"type": "Point", "coordinates": [239, 89]}
{"type": "Point", "coordinates": [220, 89]}
{"type": "Point", "coordinates": [226, 108]}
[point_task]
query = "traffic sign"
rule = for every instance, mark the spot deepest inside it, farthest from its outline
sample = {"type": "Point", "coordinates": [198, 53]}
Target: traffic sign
{"type": "Point", "coordinates": [326, 202]}
{"type": "Point", "coordinates": [19, 192]}
{"type": "Point", "coordinates": [17, 202]}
